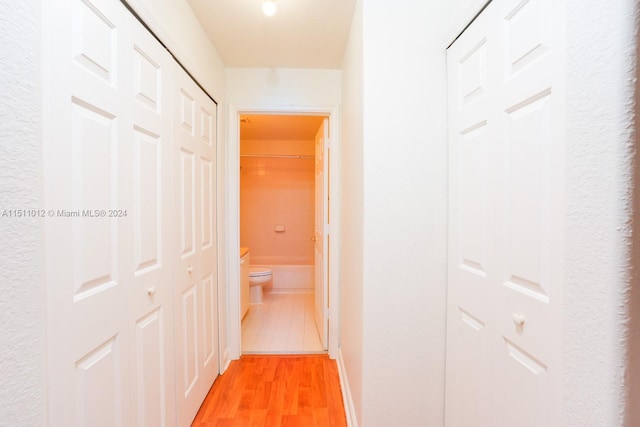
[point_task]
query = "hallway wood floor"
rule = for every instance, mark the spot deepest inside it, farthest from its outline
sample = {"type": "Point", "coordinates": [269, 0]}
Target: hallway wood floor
{"type": "Point", "coordinates": [274, 391]}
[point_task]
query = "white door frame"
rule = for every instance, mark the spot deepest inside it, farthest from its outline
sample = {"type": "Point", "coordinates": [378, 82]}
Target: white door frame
{"type": "Point", "coordinates": [232, 214]}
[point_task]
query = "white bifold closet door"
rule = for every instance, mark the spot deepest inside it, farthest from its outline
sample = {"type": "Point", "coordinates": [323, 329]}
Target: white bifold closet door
{"type": "Point", "coordinates": [506, 133]}
{"type": "Point", "coordinates": [195, 281]}
{"type": "Point", "coordinates": [112, 232]}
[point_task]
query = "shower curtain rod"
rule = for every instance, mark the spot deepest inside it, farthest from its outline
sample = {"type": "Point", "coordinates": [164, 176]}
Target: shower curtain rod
{"type": "Point", "coordinates": [279, 156]}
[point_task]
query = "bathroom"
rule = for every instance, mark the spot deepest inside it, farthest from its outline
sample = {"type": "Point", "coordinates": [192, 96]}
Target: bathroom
{"type": "Point", "coordinates": [278, 199]}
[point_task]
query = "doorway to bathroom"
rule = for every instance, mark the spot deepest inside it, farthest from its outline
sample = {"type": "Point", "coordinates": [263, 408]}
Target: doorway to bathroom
{"type": "Point", "coordinates": [283, 219]}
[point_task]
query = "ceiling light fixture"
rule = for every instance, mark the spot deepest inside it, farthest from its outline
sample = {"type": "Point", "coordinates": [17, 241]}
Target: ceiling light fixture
{"type": "Point", "coordinates": [269, 7]}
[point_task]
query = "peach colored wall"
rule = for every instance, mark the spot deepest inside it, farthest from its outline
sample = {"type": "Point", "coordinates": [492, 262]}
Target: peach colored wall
{"type": "Point", "coordinates": [277, 191]}
{"type": "Point", "coordinates": [289, 146]}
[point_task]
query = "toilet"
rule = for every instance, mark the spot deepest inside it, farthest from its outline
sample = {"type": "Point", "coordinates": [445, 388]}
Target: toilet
{"type": "Point", "coordinates": [258, 277]}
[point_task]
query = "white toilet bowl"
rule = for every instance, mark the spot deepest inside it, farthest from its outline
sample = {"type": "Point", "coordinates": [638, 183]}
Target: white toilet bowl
{"type": "Point", "coordinates": [258, 277]}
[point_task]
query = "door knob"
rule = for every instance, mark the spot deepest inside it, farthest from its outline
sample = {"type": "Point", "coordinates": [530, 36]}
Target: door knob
{"type": "Point", "coordinates": [151, 291]}
{"type": "Point", "coordinates": [313, 239]}
{"type": "Point", "coordinates": [518, 320]}
{"type": "Point", "coordinates": [189, 269]}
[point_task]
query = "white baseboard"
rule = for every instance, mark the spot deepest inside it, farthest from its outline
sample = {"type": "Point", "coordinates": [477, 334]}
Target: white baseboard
{"type": "Point", "coordinates": [350, 410]}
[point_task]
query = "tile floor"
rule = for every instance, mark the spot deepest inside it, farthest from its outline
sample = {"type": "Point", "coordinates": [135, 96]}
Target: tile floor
{"type": "Point", "coordinates": [283, 323]}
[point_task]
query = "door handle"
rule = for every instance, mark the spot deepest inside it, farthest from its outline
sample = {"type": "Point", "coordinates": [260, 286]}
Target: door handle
{"type": "Point", "coordinates": [518, 320]}
{"type": "Point", "coordinates": [313, 239]}
{"type": "Point", "coordinates": [189, 269]}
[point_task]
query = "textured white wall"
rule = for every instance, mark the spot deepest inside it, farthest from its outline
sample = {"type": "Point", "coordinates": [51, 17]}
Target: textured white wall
{"type": "Point", "coordinates": [632, 378]}
{"type": "Point", "coordinates": [601, 56]}
{"type": "Point", "coordinates": [22, 307]}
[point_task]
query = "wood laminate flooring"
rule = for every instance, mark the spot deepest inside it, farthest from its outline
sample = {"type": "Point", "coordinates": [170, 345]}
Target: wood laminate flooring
{"type": "Point", "coordinates": [272, 391]}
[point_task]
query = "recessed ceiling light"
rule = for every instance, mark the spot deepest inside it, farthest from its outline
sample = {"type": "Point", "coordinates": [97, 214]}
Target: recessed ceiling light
{"type": "Point", "coordinates": [269, 7]}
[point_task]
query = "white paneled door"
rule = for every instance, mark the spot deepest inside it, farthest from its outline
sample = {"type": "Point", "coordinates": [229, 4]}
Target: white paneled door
{"type": "Point", "coordinates": [146, 176]}
{"type": "Point", "coordinates": [195, 287]}
{"type": "Point", "coordinates": [506, 131]}
{"type": "Point", "coordinates": [106, 191]}
{"type": "Point", "coordinates": [112, 229]}
{"type": "Point", "coordinates": [320, 237]}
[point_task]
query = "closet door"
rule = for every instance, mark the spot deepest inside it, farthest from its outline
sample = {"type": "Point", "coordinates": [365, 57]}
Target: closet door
{"type": "Point", "coordinates": [86, 255]}
{"type": "Point", "coordinates": [195, 287]}
{"type": "Point", "coordinates": [109, 325]}
{"type": "Point", "coordinates": [506, 132]}
{"type": "Point", "coordinates": [150, 235]}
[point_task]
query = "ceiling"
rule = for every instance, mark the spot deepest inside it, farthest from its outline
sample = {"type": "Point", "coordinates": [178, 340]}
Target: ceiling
{"type": "Point", "coordinates": [279, 127]}
{"type": "Point", "coordinates": [302, 34]}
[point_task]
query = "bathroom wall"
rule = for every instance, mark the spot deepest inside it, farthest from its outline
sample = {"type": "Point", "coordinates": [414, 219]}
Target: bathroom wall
{"type": "Point", "coordinates": [277, 192]}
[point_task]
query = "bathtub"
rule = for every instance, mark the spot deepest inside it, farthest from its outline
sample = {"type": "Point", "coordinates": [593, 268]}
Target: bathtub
{"type": "Point", "coordinates": [290, 278]}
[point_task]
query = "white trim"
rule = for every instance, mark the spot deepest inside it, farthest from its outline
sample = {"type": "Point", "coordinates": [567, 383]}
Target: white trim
{"type": "Point", "coordinates": [335, 132]}
{"type": "Point", "coordinates": [225, 360]}
{"type": "Point", "coordinates": [232, 217]}
{"type": "Point", "coordinates": [232, 203]}
{"type": "Point", "coordinates": [347, 400]}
